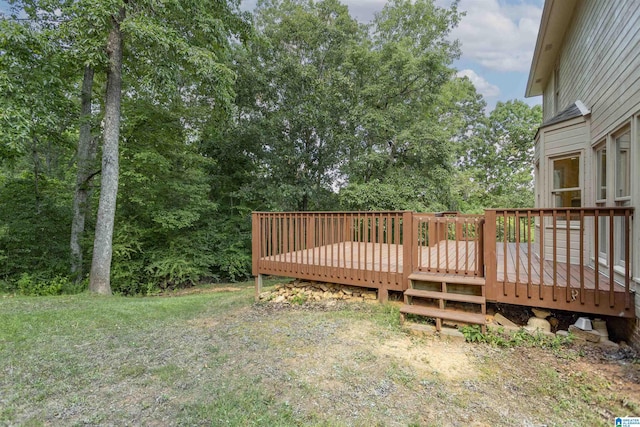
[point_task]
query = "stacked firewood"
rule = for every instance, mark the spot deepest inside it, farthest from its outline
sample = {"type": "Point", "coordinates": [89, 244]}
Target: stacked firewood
{"type": "Point", "coordinates": [298, 292]}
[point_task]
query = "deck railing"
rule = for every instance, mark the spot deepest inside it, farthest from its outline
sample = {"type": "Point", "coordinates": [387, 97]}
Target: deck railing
{"type": "Point", "coordinates": [575, 259]}
{"type": "Point", "coordinates": [580, 253]}
{"type": "Point", "coordinates": [347, 247]}
{"type": "Point", "coordinates": [448, 243]}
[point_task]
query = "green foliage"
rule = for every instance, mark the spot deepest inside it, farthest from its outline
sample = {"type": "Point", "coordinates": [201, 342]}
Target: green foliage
{"type": "Point", "coordinates": [519, 338]}
{"type": "Point", "coordinates": [30, 285]}
{"type": "Point", "coordinates": [35, 220]}
{"type": "Point", "coordinates": [498, 171]}
{"type": "Point", "coordinates": [315, 112]}
{"type": "Point", "coordinates": [299, 299]}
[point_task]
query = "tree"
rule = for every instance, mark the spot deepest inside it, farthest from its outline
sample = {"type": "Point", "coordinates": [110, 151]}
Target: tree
{"type": "Point", "coordinates": [294, 99]}
{"type": "Point", "coordinates": [86, 170]}
{"type": "Point", "coordinates": [401, 155]}
{"type": "Point", "coordinates": [500, 164]}
{"type": "Point", "coordinates": [151, 29]}
{"type": "Point", "coordinates": [36, 139]}
{"type": "Point", "coordinates": [99, 280]}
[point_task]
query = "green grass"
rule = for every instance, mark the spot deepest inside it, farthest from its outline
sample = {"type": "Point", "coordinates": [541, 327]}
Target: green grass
{"type": "Point", "coordinates": [59, 354]}
{"type": "Point", "coordinates": [215, 358]}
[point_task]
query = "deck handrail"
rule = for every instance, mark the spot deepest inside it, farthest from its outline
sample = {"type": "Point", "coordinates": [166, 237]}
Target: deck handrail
{"type": "Point", "coordinates": [555, 246]}
{"type": "Point", "coordinates": [357, 247]}
{"type": "Point", "coordinates": [561, 258]}
{"type": "Point", "coordinates": [450, 243]}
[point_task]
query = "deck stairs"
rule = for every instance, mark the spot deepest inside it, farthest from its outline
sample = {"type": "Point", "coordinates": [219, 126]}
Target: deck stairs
{"type": "Point", "coordinates": [446, 299]}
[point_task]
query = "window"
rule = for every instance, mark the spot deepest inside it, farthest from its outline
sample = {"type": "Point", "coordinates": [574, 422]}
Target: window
{"type": "Point", "coordinates": [622, 143]}
{"type": "Point", "coordinates": [623, 163]}
{"type": "Point", "coordinates": [601, 173]}
{"type": "Point", "coordinates": [566, 182]}
{"type": "Point", "coordinates": [618, 193]}
{"type": "Point", "coordinates": [601, 199]}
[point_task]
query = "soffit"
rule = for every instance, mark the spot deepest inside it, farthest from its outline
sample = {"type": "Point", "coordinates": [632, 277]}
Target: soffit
{"type": "Point", "coordinates": [556, 17]}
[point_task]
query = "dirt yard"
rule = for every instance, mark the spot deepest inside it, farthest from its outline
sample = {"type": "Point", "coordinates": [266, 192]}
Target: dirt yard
{"type": "Point", "coordinates": [349, 370]}
{"type": "Point", "coordinates": [216, 358]}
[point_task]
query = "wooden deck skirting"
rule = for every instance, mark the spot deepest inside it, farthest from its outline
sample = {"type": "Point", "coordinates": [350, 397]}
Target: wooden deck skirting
{"type": "Point", "coordinates": [535, 257]}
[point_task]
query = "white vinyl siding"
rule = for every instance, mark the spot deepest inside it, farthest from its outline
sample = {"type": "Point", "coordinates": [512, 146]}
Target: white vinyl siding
{"type": "Point", "coordinates": [565, 139]}
{"type": "Point", "coordinates": [597, 64]}
{"type": "Point", "coordinates": [547, 102]}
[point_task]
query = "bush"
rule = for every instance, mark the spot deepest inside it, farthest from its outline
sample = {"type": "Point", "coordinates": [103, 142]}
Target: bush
{"type": "Point", "coordinates": [521, 337]}
{"type": "Point", "coordinates": [34, 286]}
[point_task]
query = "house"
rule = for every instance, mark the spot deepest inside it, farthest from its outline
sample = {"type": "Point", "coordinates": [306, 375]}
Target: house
{"type": "Point", "coordinates": [573, 252]}
{"type": "Point", "coordinates": [586, 66]}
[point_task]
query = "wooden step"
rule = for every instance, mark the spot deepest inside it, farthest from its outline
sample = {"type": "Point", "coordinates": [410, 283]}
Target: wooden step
{"type": "Point", "coordinates": [436, 313]}
{"type": "Point", "coordinates": [448, 278]}
{"type": "Point", "coordinates": [449, 296]}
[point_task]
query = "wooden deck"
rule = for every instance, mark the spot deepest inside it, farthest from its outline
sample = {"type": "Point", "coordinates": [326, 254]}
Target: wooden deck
{"type": "Point", "coordinates": [449, 257]}
{"type": "Point", "coordinates": [499, 251]}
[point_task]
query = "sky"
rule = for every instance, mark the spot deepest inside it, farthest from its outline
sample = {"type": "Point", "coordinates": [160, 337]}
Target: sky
{"type": "Point", "coordinates": [497, 39]}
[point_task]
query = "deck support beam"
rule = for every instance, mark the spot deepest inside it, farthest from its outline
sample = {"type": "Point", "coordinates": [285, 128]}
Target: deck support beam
{"type": "Point", "coordinates": [258, 286]}
{"type": "Point", "coordinates": [383, 295]}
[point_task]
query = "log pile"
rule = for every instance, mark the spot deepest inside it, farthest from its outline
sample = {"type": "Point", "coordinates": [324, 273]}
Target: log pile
{"type": "Point", "coordinates": [299, 292]}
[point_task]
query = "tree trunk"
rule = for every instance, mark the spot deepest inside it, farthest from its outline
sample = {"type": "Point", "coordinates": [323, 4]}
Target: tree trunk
{"type": "Point", "coordinates": [86, 158]}
{"type": "Point", "coordinates": [99, 280]}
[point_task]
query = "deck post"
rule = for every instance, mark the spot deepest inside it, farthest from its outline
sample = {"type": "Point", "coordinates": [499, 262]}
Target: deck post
{"type": "Point", "coordinates": [258, 286]}
{"type": "Point", "coordinates": [407, 247]}
{"type": "Point", "coordinates": [383, 295]}
{"type": "Point", "coordinates": [490, 261]}
{"type": "Point", "coordinates": [255, 243]}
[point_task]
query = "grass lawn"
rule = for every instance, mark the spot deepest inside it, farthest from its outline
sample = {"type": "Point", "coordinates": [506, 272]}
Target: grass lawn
{"type": "Point", "coordinates": [213, 357]}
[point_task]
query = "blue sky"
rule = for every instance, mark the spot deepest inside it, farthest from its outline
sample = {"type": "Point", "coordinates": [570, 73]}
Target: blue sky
{"type": "Point", "coordinates": [497, 38]}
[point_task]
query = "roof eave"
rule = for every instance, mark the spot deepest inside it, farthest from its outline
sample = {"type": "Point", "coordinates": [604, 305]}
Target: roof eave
{"type": "Point", "coordinates": [556, 16]}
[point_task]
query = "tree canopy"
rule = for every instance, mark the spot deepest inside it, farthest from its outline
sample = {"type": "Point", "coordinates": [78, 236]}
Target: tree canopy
{"type": "Point", "coordinates": [203, 113]}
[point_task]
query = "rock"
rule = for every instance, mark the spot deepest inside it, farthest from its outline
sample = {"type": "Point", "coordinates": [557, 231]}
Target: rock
{"type": "Point", "coordinates": [590, 336]}
{"type": "Point", "coordinates": [562, 333]}
{"type": "Point", "coordinates": [538, 323]}
{"type": "Point", "coordinates": [541, 314]}
{"type": "Point", "coordinates": [600, 326]}
{"type": "Point", "coordinates": [279, 298]}
{"type": "Point", "coordinates": [609, 345]}
{"type": "Point", "coordinates": [265, 295]}
{"type": "Point", "coordinates": [501, 320]}
{"type": "Point", "coordinates": [554, 323]}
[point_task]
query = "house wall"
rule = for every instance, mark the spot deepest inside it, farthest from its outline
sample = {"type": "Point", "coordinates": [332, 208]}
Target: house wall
{"type": "Point", "coordinates": [599, 64]}
{"type": "Point", "coordinates": [547, 101]}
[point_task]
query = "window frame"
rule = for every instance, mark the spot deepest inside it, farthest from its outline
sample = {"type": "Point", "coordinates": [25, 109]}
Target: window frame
{"type": "Point", "coordinates": [601, 167]}
{"type": "Point", "coordinates": [625, 130]}
{"type": "Point", "coordinates": [556, 191]}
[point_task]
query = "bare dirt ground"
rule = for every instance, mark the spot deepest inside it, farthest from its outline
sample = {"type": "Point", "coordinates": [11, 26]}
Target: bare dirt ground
{"type": "Point", "coordinates": [220, 359]}
{"type": "Point", "coordinates": [342, 368]}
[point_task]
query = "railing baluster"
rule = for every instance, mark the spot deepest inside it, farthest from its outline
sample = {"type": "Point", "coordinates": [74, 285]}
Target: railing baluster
{"type": "Point", "coordinates": [627, 259]}
{"type": "Point", "coordinates": [529, 254]}
{"type": "Point", "coordinates": [555, 254]}
{"type": "Point", "coordinates": [612, 275]}
{"type": "Point", "coordinates": [582, 231]}
{"type": "Point", "coordinates": [505, 251]}
{"type": "Point", "coordinates": [542, 234]}
{"type": "Point", "coordinates": [568, 225]}
{"type": "Point", "coordinates": [516, 232]}
{"type": "Point", "coordinates": [596, 266]}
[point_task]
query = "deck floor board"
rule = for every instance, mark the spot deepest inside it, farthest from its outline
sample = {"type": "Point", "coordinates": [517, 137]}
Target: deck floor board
{"type": "Point", "coordinates": [448, 257]}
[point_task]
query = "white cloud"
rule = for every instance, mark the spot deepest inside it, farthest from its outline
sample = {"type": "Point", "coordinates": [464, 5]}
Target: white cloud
{"type": "Point", "coordinates": [482, 86]}
{"type": "Point", "coordinates": [498, 35]}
